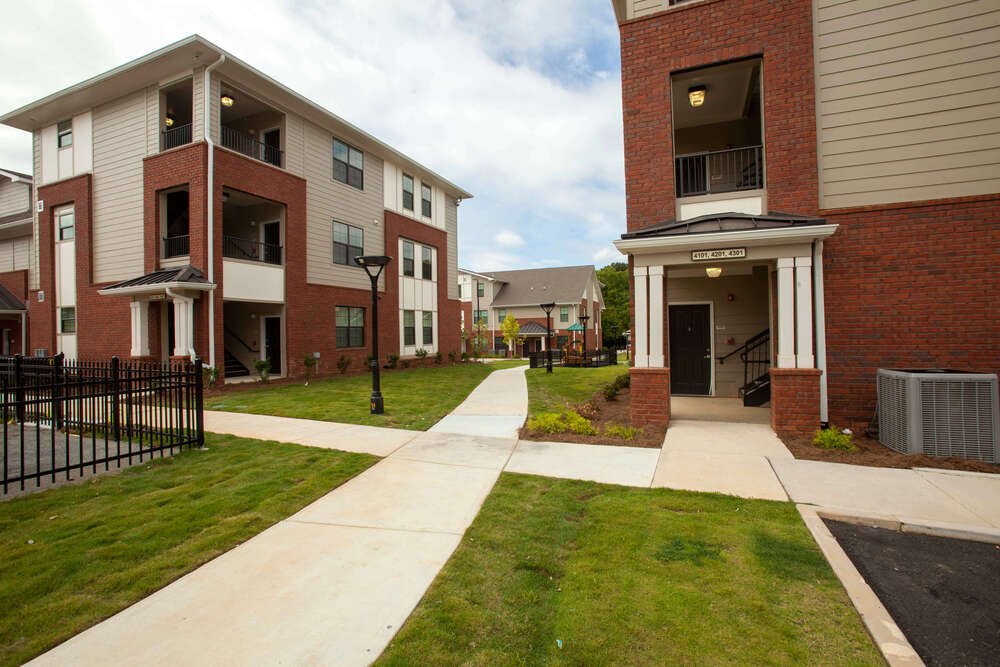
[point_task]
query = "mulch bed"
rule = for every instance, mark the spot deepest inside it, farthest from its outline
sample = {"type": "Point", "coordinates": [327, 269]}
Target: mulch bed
{"type": "Point", "coordinates": [602, 412]}
{"type": "Point", "coordinates": [943, 593]}
{"type": "Point", "coordinates": [871, 452]}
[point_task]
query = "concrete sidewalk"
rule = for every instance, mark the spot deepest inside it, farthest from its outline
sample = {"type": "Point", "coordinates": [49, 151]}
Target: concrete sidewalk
{"type": "Point", "coordinates": [333, 583]}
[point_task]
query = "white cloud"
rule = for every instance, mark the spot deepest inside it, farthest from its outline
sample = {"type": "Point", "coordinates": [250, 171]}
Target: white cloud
{"type": "Point", "coordinates": [518, 102]}
{"type": "Point", "coordinates": [509, 239]}
{"type": "Point", "coordinates": [606, 255]}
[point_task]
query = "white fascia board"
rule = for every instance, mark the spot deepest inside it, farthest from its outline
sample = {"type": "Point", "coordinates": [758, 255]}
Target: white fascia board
{"type": "Point", "coordinates": [156, 288]}
{"type": "Point", "coordinates": [752, 237]}
{"type": "Point", "coordinates": [14, 178]}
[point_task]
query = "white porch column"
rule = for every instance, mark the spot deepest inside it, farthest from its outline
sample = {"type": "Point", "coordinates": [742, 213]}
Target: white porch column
{"type": "Point", "coordinates": [641, 333]}
{"type": "Point", "coordinates": [183, 325]}
{"type": "Point", "coordinates": [803, 313]}
{"type": "Point", "coordinates": [820, 327]}
{"type": "Point", "coordinates": [543, 343]}
{"type": "Point", "coordinates": [656, 317]}
{"type": "Point", "coordinates": [140, 328]}
{"type": "Point", "coordinates": [786, 312]}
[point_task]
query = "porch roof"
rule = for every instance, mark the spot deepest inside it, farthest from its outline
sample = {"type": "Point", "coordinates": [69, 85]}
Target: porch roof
{"type": "Point", "coordinates": [532, 329]}
{"type": "Point", "coordinates": [723, 222]}
{"type": "Point", "coordinates": [181, 277]}
{"type": "Point", "coordinates": [9, 302]}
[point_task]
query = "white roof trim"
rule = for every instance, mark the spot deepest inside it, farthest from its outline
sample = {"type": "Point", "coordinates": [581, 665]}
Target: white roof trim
{"type": "Point", "coordinates": [754, 237]}
{"type": "Point", "coordinates": [156, 288]}
{"type": "Point", "coordinates": [14, 178]}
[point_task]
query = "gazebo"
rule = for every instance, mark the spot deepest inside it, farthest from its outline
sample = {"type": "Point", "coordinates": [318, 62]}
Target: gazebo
{"type": "Point", "coordinates": [576, 326]}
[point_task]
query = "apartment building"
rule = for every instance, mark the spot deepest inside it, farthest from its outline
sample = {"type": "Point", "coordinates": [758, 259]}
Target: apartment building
{"type": "Point", "coordinates": [15, 260]}
{"type": "Point", "coordinates": [489, 297]}
{"type": "Point", "coordinates": [186, 204]}
{"type": "Point", "coordinates": [811, 185]}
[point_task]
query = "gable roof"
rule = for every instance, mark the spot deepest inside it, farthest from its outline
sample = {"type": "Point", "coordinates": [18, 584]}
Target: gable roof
{"type": "Point", "coordinates": [723, 222]}
{"type": "Point", "coordinates": [532, 328]}
{"type": "Point", "coordinates": [181, 277]}
{"type": "Point", "coordinates": [530, 287]}
{"type": "Point", "coordinates": [10, 302]}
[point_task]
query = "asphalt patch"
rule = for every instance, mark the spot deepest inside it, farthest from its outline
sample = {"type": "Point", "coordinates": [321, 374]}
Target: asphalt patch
{"type": "Point", "coordinates": [943, 593]}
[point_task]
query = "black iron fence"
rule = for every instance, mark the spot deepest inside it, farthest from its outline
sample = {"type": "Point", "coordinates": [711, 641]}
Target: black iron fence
{"type": "Point", "coordinates": [719, 171]}
{"type": "Point", "coordinates": [578, 359]}
{"type": "Point", "coordinates": [175, 136]}
{"type": "Point", "coordinates": [176, 246]}
{"type": "Point", "coordinates": [249, 146]}
{"type": "Point", "coordinates": [255, 251]}
{"type": "Point", "coordinates": [63, 416]}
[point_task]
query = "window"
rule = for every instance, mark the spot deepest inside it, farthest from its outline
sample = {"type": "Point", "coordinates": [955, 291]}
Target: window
{"type": "Point", "coordinates": [427, 272]}
{"type": "Point", "coordinates": [64, 133]}
{"type": "Point", "coordinates": [564, 313]}
{"type": "Point", "coordinates": [348, 165]}
{"type": "Point", "coordinates": [407, 192]}
{"type": "Point", "coordinates": [348, 243]}
{"type": "Point", "coordinates": [479, 289]}
{"type": "Point", "coordinates": [350, 326]}
{"type": "Point", "coordinates": [409, 328]}
{"type": "Point", "coordinates": [501, 315]}
{"type": "Point", "coordinates": [425, 200]}
{"type": "Point", "coordinates": [67, 320]}
{"type": "Point", "coordinates": [460, 290]}
{"type": "Point", "coordinates": [407, 258]}
{"type": "Point", "coordinates": [480, 316]}
{"type": "Point", "coordinates": [562, 341]}
{"type": "Point", "coordinates": [428, 328]}
{"type": "Point", "coordinates": [499, 344]}
{"type": "Point", "coordinates": [65, 223]}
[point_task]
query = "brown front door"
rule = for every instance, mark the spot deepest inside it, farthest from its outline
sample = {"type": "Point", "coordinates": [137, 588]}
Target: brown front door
{"type": "Point", "coordinates": [690, 350]}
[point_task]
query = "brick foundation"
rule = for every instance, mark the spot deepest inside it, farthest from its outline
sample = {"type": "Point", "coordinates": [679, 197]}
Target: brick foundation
{"type": "Point", "coordinates": [795, 400]}
{"type": "Point", "coordinates": [649, 396]}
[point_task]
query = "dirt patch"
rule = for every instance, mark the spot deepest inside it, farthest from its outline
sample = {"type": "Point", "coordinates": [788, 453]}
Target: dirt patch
{"type": "Point", "coordinates": [871, 452]}
{"type": "Point", "coordinates": [601, 413]}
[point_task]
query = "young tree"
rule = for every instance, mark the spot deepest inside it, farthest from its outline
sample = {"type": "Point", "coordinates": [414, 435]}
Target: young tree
{"type": "Point", "coordinates": [511, 331]}
{"type": "Point", "coordinates": [614, 287]}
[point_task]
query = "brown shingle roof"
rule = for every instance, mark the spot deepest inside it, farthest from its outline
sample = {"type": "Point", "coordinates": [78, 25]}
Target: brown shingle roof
{"type": "Point", "coordinates": [528, 287]}
{"type": "Point", "coordinates": [10, 302]}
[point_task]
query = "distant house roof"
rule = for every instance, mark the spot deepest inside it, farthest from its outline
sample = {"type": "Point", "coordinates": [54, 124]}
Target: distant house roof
{"type": "Point", "coordinates": [532, 328]}
{"type": "Point", "coordinates": [182, 277]}
{"type": "Point", "coordinates": [529, 287]}
{"type": "Point", "coordinates": [10, 302]}
{"type": "Point", "coordinates": [723, 222]}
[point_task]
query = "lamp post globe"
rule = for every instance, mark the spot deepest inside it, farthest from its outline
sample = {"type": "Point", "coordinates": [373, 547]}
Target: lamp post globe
{"type": "Point", "coordinates": [547, 309]}
{"type": "Point", "coordinates": [373, 265]}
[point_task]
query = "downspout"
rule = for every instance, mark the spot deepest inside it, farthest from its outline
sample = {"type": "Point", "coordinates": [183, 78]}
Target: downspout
{"type": "Point", "coordinates": [210, 197]}
{"type": "Point", "coordinates": [820, 327]}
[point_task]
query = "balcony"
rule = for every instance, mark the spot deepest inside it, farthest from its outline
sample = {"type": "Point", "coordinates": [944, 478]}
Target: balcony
{"type": "Point", "coordinates": [176, 246]}
{"type": "Point", "coordinates": [175, 136]}
{"type": "Point", "coordinates": [253, 251]}
{"type": "Point", "coordinates": [717, 172]}
{"type": "Point", "coordinates": [248, 145]}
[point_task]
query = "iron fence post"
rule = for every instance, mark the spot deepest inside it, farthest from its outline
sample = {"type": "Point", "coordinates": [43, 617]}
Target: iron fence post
{"type": "Point", "coordinates": [18, 388]}
{"type": "Point", "coordinates": [199, 404]}
{"type": "Point", "coordinates": [115, 400]}
{"type": "Point", "coordinates": [58, 392]}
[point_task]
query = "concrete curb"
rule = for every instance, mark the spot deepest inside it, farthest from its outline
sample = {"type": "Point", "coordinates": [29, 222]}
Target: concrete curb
{"type": "Point", "coordinates": [960, 473]}
{"type": "Point", "coordinates": [906, 525]}
{"type": "Point", "coordinates": [889, 639]}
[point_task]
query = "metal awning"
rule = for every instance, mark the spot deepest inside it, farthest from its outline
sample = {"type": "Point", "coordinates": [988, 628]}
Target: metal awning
{"type": "Point", "coordinates": [575, 327]}
{"type": "Point", "coordinates": [157, 282]}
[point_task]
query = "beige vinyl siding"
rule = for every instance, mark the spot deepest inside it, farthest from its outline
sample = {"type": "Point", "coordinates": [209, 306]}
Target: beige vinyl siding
{"type": "Point", "coordinates": [295, 148]}
{"type": "Point", "coordinates": [119, 146]}
{"type": "Point", "coordinates": [15, 254]}
{"type": "Point", "coordinates": [36, 161]}
{"type": "Point", "coordinates": [331, 200]}
{"type": "Point", "coordinates": [451, 228]}
{"type": "Point", "coordinates": [152, 120]}
{"type": "Point", "coordinates": [214, 112]}
{"type": "Point", "coordinates": [197, 103]}
{"type": "Point", "coordinates": [908, 100]}
{"type": "Point", "coordinates": [14, 197]}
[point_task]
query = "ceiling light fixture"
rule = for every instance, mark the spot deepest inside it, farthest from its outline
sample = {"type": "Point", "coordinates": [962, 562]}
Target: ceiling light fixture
{"type": "Point", "coordinates": [713, 271]}
{"type": "Point", "coordinates": [168, 121]}
{"type": "Point", "coordinates": [227, 100]}
{"type": "Point", "coordinates": [696, 95]}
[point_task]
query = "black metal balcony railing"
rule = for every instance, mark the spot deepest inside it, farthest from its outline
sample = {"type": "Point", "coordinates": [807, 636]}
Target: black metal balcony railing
{"type": "Point", "coordinates": [175, 136]}
{"type": "Point", "coordinates": [255, 251]}
{"type": "Point", "coordinates": [176, 246]}
{"type": "Point", "coordinates": [719, 171]}
{"type": "Point", "coordinates": [249, 146]}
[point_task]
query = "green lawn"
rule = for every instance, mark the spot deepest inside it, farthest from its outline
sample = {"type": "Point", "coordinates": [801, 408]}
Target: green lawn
{"type": "Point", "coordinates": [100, 546]}
{"type": "Point", "coordinates": [415, 398]}
{"type": "Point", "coordinates": [632, 576]}
{"type": "Point", "coordinates": [551, 393]}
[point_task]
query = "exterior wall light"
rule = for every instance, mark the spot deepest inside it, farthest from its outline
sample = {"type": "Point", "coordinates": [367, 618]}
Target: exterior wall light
{"type": "Point", "coordinates": [696, 95]}
{"type": "Point", "coordinates": [713, 271]}
{"type": "Point", "coordinates": [227, 100]}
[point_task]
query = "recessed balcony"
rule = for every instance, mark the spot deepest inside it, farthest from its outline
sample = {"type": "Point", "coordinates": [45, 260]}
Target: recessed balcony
{"type": "Point", "coordinates": [251, 127]}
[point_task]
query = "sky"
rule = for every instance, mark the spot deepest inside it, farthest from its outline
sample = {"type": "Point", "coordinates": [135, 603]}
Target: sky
{"type": "Point", "coordinates": [517, 102]}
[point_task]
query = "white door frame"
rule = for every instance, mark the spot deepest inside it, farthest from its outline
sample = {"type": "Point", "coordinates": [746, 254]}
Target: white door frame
{"type": "Point", "coordinates": [711, 334]}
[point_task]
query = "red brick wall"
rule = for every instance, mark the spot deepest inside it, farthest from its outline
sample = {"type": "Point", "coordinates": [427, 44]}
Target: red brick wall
{"type": "Point", "coordinates": [649, 396]}
{"type": "Point", "coordinates": [706, 33]}
{"type": "Point", "coordinates": [909, 286]}
{"type": "Point", "coordinates": [16, 283]}
{"type": "Point", "coordinates": [449, 320]}
{"type": "Point", "coordinates": [795, 400]}
{"type": "Point", "coordinates": [14, 324]}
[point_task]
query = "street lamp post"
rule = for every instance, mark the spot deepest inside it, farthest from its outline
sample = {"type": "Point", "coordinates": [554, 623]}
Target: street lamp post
{"type": "Point", "coordinates": [373, 265]}
{"type": "Point", "coordinates": [583, 318]}
{"type": "Point", "coordinates": [547, 308]}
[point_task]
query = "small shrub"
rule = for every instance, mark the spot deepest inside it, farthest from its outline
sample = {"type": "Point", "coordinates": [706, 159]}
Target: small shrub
{"type": "Point", "coordinates": [452, 356]}
{"type": "Point", "coordinates": [610, 391]}
{"type": "Point", "coordinates": [579, 424]}
{"type": "Point", "coordinates": [209, 375]}
{"type": "Point", "coordinates": [393, 360]}
{"type": "Point", "coordinates": [465, 356]}
{"type": "Point", "coordinates": [622, 431]}
{"type": "Point", "coordinates": [263, 367]}
{"type": "Point", "coordinates": [554, 422]}
{"type": "Point", "coordinates": [343, 363]}
{"type": "Point", "coordinates": [437, 358]}
{"type": "Point", "coordinates": [368, 362]}
{"type": "Point", "coordinates": [309, 361]}
{"type": "Point", "coordinates": [623, 380]}
{"type": "Point", "coordinates": [421, 353]}
{"type": "Point", "coordinates": [832, 438]}
{"type": "Point", "coordinates": [405, 363]}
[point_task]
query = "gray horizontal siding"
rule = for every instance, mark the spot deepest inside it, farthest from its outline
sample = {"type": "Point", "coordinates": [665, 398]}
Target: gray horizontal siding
{"type": "Point", "coordinates": [451, 227]}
